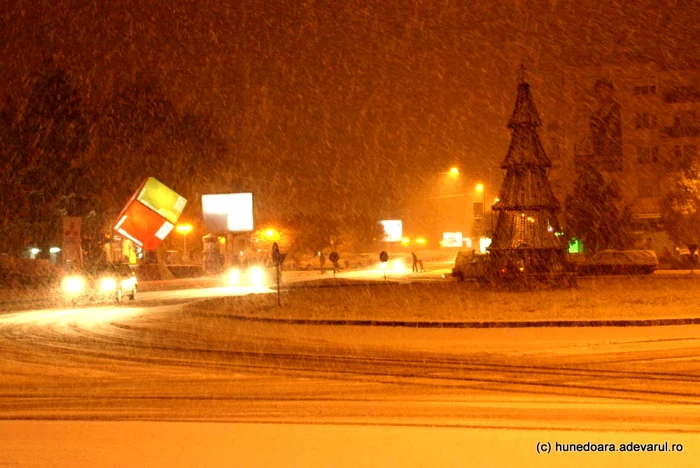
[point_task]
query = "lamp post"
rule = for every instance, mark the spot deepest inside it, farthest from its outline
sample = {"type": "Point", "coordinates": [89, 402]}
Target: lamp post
{"type": "Point", "coordinates": [184, 229]}
{"type": "Point", "coordinates": [480, 189]}
{"type": "Point", "coordinates": [455, 174]}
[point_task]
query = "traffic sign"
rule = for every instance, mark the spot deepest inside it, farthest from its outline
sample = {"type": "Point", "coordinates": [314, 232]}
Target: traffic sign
{"type": "Point", "coordinates": [276, 254]}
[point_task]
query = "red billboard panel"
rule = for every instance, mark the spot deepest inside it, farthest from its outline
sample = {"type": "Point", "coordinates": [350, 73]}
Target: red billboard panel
{"type": "Point", "coordinates": [142, 225]}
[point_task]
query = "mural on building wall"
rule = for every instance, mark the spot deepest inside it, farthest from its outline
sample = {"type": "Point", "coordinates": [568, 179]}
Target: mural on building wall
{"type": "Point", "coordinates": [606, 129]}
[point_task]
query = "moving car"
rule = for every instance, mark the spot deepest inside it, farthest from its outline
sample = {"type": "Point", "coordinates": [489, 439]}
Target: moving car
{"type": "Point", "coordinates": [254, 275]}
{"type": "Point", "coordinates": [100, 282]}
{"type": "Point", "coordinates": [620, 262]}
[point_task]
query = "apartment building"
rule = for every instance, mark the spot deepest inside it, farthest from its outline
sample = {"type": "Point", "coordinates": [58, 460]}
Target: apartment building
{"type": "Point", "coordinates": [638, 124]}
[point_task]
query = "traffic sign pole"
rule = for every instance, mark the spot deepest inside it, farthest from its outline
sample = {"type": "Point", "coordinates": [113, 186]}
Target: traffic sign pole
{"type": "Point", "coordinates": [384, 257]}
{"type": "Point", "coordinates": [277, 259]}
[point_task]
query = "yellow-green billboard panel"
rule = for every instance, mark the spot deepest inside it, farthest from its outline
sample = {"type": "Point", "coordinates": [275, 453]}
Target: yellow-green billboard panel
{"type": "Point", "coordinates": [162, 199]}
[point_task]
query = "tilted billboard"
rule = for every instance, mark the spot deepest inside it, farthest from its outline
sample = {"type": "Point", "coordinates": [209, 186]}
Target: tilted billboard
{"type": "Point", "coordinates": [150, 214]}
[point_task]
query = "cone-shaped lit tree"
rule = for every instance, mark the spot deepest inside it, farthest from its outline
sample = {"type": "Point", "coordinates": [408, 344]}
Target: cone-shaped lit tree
{"type": "Point", "coordinates": [527, 242]}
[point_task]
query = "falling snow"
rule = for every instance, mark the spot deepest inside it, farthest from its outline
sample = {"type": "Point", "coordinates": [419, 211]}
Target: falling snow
{"type": "Point", "coordinates": [337, 115]}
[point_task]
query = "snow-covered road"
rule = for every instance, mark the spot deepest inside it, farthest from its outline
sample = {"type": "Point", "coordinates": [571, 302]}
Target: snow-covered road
{"type": "Point", "coordinates": [152, 382]}
{"type": "Point", "coordinates": [169, 362]}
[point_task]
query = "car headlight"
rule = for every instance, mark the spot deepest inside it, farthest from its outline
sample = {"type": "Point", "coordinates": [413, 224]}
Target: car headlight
{"type": "Point", "coordinates": [108, 284]}
{"type": "Point", "coordinates": [256, 276]}
{"type": "Point", "coordinates": [73, 284]}
{"type": "Point", "coordinates": [233, 277]}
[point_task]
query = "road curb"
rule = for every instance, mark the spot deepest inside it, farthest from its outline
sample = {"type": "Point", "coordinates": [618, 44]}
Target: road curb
{"type": "Point", "coordinates": [470, 324]}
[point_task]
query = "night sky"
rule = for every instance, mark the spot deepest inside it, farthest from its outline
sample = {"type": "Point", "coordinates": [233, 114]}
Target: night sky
{"type": "Point", "coordinates": [344, 104]}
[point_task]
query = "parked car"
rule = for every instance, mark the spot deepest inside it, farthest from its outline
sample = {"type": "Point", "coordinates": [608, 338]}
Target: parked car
{"type": "Point", "coordinates": [477, 267]}
{"type": "Point", "coordinates": [346, 260]}
{"type": "Point", "coordinates": [462, 261]}
{"type": "Point", "coordinates": [511, 272]}
{"type": "Point", "coordinates": [302, 261]}
{"type": "Point", "coordinates": [620, 262]}
{"type": "Point", "coordinates": [350, 260]}
{"type": "Point", "coordinates": [100, 282]}
{"type": "Point", "coordinates": [684, 261]}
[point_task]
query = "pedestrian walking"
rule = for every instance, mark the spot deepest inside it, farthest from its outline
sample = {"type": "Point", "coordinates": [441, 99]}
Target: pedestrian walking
{"type": "Point", "coordinates": [415, 262]}
{"type": "Point", "coordinates": [322, 260]}
{"type": "Point", "coordinates": [334, 257]}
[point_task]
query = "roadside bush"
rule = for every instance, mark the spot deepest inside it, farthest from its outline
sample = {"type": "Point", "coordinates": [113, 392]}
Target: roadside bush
{"type": "Point", "coordinates": [26, 273]}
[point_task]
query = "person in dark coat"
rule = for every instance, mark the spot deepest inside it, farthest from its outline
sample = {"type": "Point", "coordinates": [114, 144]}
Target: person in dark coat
{"type": "Point", "coordinates": [322, 260]}
{"type": "Point", "coordinates": [415, 262]}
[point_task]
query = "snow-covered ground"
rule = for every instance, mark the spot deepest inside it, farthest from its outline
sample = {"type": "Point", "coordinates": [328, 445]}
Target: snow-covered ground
{"type": "Point", "coordinates": [195, 444]}
{"type": "Point", "coordinates": [291, 393]}
{"type": "Point", "coordinates": [605, 298]}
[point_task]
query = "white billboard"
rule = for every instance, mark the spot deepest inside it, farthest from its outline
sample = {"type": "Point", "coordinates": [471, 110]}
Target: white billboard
{"type": "Point", "coordinates": [393, 230]}
{"type": "Point", "coordinates": [452, 239]}
{"type": "Point", "coordinates": [228, 212]}
{"type": "Point", "coordinates": [484, 243]}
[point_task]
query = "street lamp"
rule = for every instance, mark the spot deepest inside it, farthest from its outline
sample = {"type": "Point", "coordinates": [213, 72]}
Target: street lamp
{"type": "Point", "coordinates": [480, 189]}
{"type": "Point", "coordinates": [184, 229]}
{"type": "Point", "coordinates": [272, 234]}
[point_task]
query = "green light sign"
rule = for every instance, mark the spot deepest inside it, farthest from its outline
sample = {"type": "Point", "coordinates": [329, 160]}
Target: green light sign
{"type": "Point", "coordinates": [575, 246]}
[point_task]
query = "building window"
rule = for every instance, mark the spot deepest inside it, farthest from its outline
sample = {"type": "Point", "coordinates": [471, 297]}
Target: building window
{"type": "Point", "coordinates": [645, 120]}
{"type": "Point", "coordinates": [682, 94]}
{"type": "Point", "coordinates": [682, 157]}
{"type": "Point", "coordinates": [649, 188]}
{"type": "Point", "coordinates": [643, 90]}
{"type": "Point", "coordinates": [685, 124]}
{"type": "Point", "coordinates": [685, 119]}
{"type": "Point", "coordinates": [647, 154]}
{"type": "Point", "coordinates": [690, 154]}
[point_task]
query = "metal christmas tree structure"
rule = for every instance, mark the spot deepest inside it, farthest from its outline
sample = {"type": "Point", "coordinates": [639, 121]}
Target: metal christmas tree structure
{"type": "Point", "coordinates": [527, 242]}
